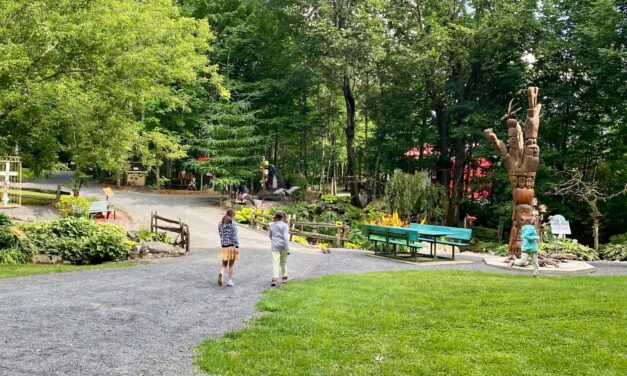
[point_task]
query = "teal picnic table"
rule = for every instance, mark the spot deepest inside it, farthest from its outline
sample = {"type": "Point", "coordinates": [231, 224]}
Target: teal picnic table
{"type": "Point", "coordinates": [432, 237]}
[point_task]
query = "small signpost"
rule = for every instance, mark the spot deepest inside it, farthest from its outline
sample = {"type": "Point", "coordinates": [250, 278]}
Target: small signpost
{"type": "Point", "coordinates": [560, 226]}
{"type": "Point", "coordinates": [11, 178]}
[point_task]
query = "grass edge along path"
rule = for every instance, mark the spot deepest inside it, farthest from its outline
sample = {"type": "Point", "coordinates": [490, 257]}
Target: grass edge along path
{"type": "Point", "coordinates": [20, 270]}
{"type": "Point", "coordinates": [431, 323]}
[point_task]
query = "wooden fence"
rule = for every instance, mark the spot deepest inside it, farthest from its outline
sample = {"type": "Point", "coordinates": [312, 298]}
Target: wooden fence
{"type": "Point", "coordinates": [181, 228]}
{"type": "Point", "coordinates": [306, 229]}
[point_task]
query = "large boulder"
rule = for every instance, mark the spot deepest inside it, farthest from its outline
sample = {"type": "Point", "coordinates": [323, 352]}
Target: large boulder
{"type": "Point", "coordinates": [46, 259]}
{"type": "Point", "coordinates": [155, 250]}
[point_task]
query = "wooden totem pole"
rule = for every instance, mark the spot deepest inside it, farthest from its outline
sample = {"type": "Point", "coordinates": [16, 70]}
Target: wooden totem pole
{"type": "Point", "coordinates": [520, 157]}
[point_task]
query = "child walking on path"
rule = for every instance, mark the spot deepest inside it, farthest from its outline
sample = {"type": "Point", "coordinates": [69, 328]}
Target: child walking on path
{"type": "Point", "coordinates": [279, 234]}
{"type": "Point", "coordinates": [230, 246]}
{"type": "Point", "coordinates": [529, 246]}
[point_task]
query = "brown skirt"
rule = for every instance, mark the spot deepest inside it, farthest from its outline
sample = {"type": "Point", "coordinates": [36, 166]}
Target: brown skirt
{"type": "Point", "coordinates": [229, 253]}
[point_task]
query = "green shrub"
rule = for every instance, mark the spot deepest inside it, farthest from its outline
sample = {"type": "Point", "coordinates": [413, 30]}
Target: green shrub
{"type": "Point", "coordinates": [144, 235]}
{"type": "Point", "coordinates": [13, 256]}
{"type": "Point", "coordinates": [245, 215]}
{"type": "Point", "coordinates": [5, 220]}
{"type": "Point", "coordinates": [571, 246]}
{"type": "Point", "coordinates": [614, 252]}
{"type": "Point", "coordinates": [70, 206]}
{"type": "Point", "coordinates": [329, 199]}
{"type": "Point", "coordinates": [407, 193]}
{"type": "Point", "coordinates": [76, 240]}
{"type": "Point", "coordinates": [8, 239]}
{"type": "Point", "coordinates": [487, 247]}
{"type": "Point", "coordinates": [619, 239]}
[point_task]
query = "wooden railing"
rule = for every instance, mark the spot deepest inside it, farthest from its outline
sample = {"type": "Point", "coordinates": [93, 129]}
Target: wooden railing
{"type": "Point", "coordinates": [306, 229]}
{"type": "Point", "coordinates": [181, 228]}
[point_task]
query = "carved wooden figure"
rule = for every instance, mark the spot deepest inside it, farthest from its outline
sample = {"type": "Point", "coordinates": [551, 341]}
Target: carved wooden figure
{"type": "Point", "coordinates": [521, 158]}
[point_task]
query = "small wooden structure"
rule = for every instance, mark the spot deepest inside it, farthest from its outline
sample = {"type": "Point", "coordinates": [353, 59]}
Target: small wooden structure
{"type": "Point", "coordinates": [306, 229]}
{"type": "Point", "coordinates": [136, 175]}
{"type": "Point", "coordinates": [181, 229]}
{"type": "Point", "coordinates": [11, 181]}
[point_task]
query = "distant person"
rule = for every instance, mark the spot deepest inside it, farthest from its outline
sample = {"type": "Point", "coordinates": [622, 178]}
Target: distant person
{"type": "Point", "coordinates": [240, 191]}
{"type": "Point", "coordinates": [279, 235]}
{"type": "Point", "coordinates": [230, 246]}
{"type": "Point", "coordinates": [529, 246]}
{"type": "Point", "coordinates": [192, 185]}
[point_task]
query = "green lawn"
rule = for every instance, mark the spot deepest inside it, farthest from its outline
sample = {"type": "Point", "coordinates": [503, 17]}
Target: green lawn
{"type": "Point", "coordinates": [431, 323]}
{"type": "Point", "coordinates": [26, 193]}
{"type": "Point", "coordinates": [9, 270]}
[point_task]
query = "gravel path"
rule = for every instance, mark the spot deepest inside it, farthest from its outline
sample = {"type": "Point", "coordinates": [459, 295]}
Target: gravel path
{"type": "Point", "coordinates": [146, 320]}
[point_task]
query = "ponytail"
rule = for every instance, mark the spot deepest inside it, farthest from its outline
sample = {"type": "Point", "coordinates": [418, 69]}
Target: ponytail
{"type": "Point", "coordinates": [228, 217]}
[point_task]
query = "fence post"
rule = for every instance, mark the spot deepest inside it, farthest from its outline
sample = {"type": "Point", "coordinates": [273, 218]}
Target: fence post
{"type": "Point", "coordinates": [58, 192]}
{"type": "Point", "coordinates": [187, 238]}
{"type": "Point", "coordinates": [152, 221]}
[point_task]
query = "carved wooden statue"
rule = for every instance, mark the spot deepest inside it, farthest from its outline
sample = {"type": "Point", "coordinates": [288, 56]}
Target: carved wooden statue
{"type": "Point", "coordinates": [521, 158]}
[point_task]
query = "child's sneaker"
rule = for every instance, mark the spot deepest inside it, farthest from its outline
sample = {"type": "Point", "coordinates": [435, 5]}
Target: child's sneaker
{"type": "Point", "coordinates": [284, 279]}
{"type": "Point", "coordinates": [273, 283]}
{"type": "Point", "coordinates": [230, 283]}
{"type": "Point", "coordinates": [220, 279]}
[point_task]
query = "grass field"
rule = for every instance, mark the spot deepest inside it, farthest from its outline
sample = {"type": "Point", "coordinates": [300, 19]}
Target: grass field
{"type": "Point", "coordinates": [431, 323]}
{"type": "Point", "coordinates": [9, 270]}
{"type": "Point", "coordinates": [26, 193]}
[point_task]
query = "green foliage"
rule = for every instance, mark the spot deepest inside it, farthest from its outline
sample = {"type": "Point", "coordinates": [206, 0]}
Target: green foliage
{"type": "Point", "coordinates": [481, 246]}
{"type": "Point", "coordinates": [90, 75]}
{"type": "Point", "coordinates": [13, 256]}
{"type": "Point", "coordinates": [71, 206]}
{"type": "Point", "coordinates": [619, 239]}
{"type": "Point", "coordinates": [144, 235]}
{"type": "Point", "coordinates": [407, 193]}
{"type": "Point", "coordinates": [230, 141]}
{"type": "Point", "coordinates": [614, 252]}
{"type": "Point", "coordinates": [329, 199]}
{"type": "Point", "coordinates": [7, 237]}
{"type": "Point", "coordinates": [245, 215]}
{"type": "Point", "coordinates": [5, 220]}
{"type": "Point", "coordinates": [571, 246]}
{"type": "Point", "coordinates": [76, 240]}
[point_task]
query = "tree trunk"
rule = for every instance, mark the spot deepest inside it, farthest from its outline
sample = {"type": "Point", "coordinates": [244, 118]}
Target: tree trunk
{"type": "Point", "coordinates": [456, 189]}
{"type": "Point", "coordinates": [303, 144]}
{"type": "Point", "coordinates": [349, 99]}
{"type": "Point", "coordinates": [596, 234]}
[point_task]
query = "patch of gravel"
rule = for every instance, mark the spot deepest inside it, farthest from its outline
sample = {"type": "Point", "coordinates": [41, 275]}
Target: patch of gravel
{"type": "Point", "coordinates": [147, 320]}
{"type": "Point", "coordinates": [32, 213]}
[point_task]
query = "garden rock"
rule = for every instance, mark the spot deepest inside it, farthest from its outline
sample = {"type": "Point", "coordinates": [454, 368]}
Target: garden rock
{"type": "Point", "coordinates": [155, 250]}
{"type": "Point", "coordinates": [47, 259]}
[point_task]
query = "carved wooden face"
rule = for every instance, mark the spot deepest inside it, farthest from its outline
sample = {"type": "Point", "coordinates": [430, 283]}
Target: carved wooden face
{"type": "Point", "coordinates": [521, 182]}
{"type": "Point", "coordinates": [529, 182]}
{"type": "Point", "coordinates": [532, 148]}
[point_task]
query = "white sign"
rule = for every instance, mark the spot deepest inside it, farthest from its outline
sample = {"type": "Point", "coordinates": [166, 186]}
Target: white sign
{"type": "Point", "coordinates": [559, 225]}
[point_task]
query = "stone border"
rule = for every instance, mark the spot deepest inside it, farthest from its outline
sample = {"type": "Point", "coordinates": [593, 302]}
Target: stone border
{"type": "Point", "coordinates": [568, 268]}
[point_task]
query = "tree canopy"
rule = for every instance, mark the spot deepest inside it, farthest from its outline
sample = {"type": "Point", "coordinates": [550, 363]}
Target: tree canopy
{"type": "Point", "coordinates": [343, 92]}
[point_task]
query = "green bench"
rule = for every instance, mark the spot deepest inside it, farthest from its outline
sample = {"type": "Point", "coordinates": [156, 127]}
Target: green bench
{"type": "Point", "coordinates": [393, 236]}
{"type": "Point", "coordinates": [455, 236]}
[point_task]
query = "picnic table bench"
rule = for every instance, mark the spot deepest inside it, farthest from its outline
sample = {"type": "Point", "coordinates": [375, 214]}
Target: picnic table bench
{"type": "Point", "coordinates": [413, 237]}
{"type": "Point", "coordinates": [395, 236]}
{"type": "Point", "coordinates": [97, 207]}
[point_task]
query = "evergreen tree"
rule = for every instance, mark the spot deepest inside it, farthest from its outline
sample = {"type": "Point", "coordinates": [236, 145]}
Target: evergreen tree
{"type": "Point", "coordinates": [228, 144]}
